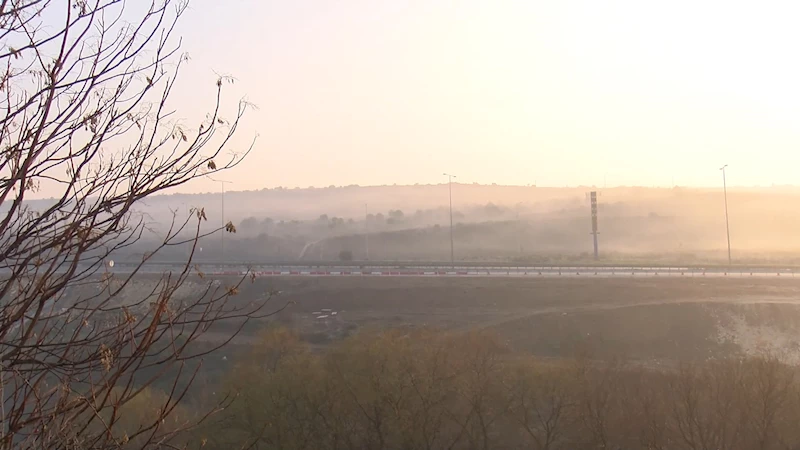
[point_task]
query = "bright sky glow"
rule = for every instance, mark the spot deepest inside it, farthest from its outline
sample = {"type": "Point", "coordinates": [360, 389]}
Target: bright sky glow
{"type": "Point", "coordinates": [513, 92]}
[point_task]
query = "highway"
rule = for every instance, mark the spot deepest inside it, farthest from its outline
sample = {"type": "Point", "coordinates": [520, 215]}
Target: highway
{"type": "Point", "coordinates": [441, 270]}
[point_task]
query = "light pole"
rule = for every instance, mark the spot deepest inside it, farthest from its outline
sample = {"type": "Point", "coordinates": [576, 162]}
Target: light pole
{"type": "Point", "coordinates": [450, 189]}
{"type": "Point", "coordinates": [366, 229]}
{"type": "Point", "coordinates": [519, 229]}
{"type": "Point", "coordinates": [727, 225]}
{"type": "Point", "coordinates": [222, 182]}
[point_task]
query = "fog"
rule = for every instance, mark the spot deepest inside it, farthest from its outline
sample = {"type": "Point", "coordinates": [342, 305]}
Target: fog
{"type": "Point", "coordinates": [491, 223]}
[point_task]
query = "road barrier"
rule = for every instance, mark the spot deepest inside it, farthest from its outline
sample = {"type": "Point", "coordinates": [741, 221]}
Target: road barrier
{"type": "Point", "coordinates": [563, 272]}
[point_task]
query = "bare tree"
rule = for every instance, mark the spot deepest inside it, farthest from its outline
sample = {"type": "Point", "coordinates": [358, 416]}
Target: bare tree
{"type": "Point", "coordinates": [709, 410]}
{"type": "Point", "coordinates": [541, 405]}
{"type": "Point", "coordinates": [84, 89]}
{"type": "Point", "coordinates": [768, 396]}
{"type": "Point", "coordinates": [649, 403]}
{"type": "Point", "coordinates": [480, 390]}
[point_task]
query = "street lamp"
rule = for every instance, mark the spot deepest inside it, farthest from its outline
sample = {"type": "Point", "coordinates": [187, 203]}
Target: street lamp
{"type": "Point", "coordinates": [366, 229]}
{"type": "Point", "coordinates": [450, 189]}
{"type": "Point", "coordinates": [222, 182]}
{"type": "Point", "coordinates": [727, 225]}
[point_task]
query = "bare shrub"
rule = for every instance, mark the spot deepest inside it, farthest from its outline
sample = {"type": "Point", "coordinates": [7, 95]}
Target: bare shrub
{"type": "Point", "coordinates": [85, 88]}
{"type": "Point", "coordinates": [542, 403]}
{"type": "Point", "coordinates": [709, 410]}
{"type": "Point", "coordinates": [423, 389]}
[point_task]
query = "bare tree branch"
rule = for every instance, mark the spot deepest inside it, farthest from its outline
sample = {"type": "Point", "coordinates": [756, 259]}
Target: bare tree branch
{"type": "Point", "coordinates": [84, 87]}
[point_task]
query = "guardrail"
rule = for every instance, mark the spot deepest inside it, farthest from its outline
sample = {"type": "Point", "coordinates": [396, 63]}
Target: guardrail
{"type": "Point", "coordinates": [469, 265]}
{"type": "Point", "coordinates": [519, 271]}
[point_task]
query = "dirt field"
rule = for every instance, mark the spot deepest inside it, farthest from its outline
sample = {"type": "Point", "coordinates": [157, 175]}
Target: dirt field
{"type": "Point", "coordinates": [649, 319]}
{"type": "Point", "coordinates": [660, 319]}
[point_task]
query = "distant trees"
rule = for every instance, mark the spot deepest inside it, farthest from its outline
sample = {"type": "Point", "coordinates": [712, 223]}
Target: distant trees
{"type": "Point", "coordinates": [395, 217]}
{"type": "Point", "coordinates": [249, 224]}
{"type": "Point", "coordinates": [330, 222]}
{"type": "Point", "coordinates": [86, 118]}
{"type": "Point", "coordinates": [427, 390]}
{"type": "Point", "coordinates": [253, 225]}
{"type": "Point", "coordinates": [379, 391]}
{"type": "Point", "coordinates": [491, 210]}
{"type": "Point", "coordinates": [336, 222]}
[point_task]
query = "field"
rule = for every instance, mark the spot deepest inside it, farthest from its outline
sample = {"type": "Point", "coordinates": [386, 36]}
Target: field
{"type": "Point", "coordinates": [649, 320]}
{"type": "Point", "coordinates": [654, 325]}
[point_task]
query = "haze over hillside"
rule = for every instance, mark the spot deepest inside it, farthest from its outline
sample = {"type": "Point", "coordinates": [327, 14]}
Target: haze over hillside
{"type": "Point", "coordinates": [492, 222]}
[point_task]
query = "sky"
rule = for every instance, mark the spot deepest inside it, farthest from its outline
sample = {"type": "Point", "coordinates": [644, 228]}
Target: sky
{"type": "Point", "coordinates": [553, 93]}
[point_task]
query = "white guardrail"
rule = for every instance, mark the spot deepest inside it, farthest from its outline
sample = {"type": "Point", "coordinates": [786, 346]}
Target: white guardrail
{"type": "Point", "coordinates": [508, 272]}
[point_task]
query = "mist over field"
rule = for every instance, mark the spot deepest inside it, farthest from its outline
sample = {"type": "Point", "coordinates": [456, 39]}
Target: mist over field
{"type": "Point", "coordinates": [491, 223]}
{"type": "Point", "coordinates": [486, 248]}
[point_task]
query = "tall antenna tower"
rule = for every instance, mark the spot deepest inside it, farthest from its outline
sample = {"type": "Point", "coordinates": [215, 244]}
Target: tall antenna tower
{"type": "Point", "coordinates": [593, 201]}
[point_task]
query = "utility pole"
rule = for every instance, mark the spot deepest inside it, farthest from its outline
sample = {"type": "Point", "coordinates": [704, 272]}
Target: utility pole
{"type": "Point", "coordinates": [519, 230]}
{"type": "Point", "coordinates": [727, 224]}
{"type": "Point", "coordinates": [366, 229]}
{"type": "Point", "coordinates": [593, 200]}
{"type": "Point", "coordinates": [450, 189]}
{"type": "Point", "coordinates": [222, 182]}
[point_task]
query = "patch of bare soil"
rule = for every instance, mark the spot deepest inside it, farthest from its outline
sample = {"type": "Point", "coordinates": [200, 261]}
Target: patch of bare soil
{"type": "Point", "coordinates": [646, 319]}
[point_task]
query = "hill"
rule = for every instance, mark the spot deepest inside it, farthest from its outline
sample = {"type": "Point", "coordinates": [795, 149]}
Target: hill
{"type": "Point", "coordinates": [491, 222]}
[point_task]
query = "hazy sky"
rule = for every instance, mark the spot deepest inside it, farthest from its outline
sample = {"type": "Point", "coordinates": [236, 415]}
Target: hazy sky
{"type": "Point", "coordinates": [513, 92]}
